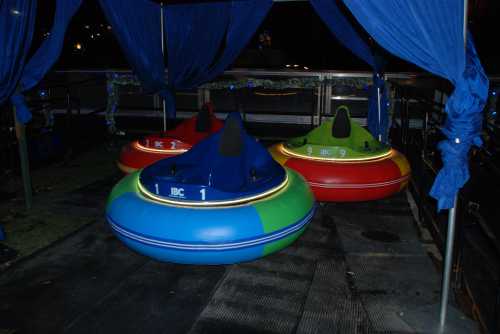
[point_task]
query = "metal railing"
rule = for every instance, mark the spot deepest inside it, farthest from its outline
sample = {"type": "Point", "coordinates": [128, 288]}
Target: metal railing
{"type": "Point", "coordinates": [318, 88]}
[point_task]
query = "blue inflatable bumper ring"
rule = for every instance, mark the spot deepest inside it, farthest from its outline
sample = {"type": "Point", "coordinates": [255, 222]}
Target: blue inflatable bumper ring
{"type": "Point", "coordinates": [224, 201]}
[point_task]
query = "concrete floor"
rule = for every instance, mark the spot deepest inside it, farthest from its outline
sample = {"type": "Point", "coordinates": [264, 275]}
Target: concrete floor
{"type": "Point", "coordinates": [358, 268]}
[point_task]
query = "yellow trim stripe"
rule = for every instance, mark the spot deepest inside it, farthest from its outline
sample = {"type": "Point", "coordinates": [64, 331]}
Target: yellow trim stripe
{"type": "Point", "coordinates": [277, 155]}
{"type": "Point", "coordinates": [242, 200]}
{"type": "Point", "coordinates": [155, 150]}
{"type": "Point", "coordinates": [403, 165]}
{"type": "Point", "coordinates": [125, 169]}
{"type": "Point", "coordinates": [380, 157]}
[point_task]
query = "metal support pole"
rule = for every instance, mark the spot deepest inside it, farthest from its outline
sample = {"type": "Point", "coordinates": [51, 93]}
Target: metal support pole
{"type": "Point", "coordinates": [445, 287]}
{"type": "Point", "coordinates": [164, 104]}
{"type": "Point", "coordinates": [327, 111]}
{"type": "Point", "coordinates": [319, 103]}
{"type": "Point", "coordinates": [379, 116]}
{"type": "Point", "coordinates": [451, 229]}
{"type": "Point", "coordinates": [23, 156]}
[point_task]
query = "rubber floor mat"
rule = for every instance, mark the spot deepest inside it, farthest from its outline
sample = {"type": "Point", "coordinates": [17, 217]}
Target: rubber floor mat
{"type": "Point", "coordinates": [281, 293]}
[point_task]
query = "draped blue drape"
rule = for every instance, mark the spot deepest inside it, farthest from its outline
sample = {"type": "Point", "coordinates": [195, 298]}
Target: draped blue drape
{"type": "Point", "coordinates": [202, 39]}
{"type": "Point", "coordinates": [136, 25]}
{"type": "Point", "coordinates": [333, 17]}
{"type": "Point", "coordinates": [45, 57]}
{"type": "Point", "coordinates": [205, 38]}
{"type": "Point", "coordinates": [17, 21]}
{"type": "Point", "coordinates": [430, 34]}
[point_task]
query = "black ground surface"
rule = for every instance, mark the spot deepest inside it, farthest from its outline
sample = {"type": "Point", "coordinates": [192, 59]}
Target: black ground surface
{"type": "Point", "coordinates": [358, 268]}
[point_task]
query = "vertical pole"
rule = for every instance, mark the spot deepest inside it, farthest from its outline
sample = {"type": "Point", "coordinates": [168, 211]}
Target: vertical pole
{"type": "Point", "coordinates": [327, 111]}
{"type": "Point", "coordinates": [445, 286]}
{"type": "Point", "coordinates": [23, 155]}
{"type": "Point", "coordinates": [450, 238]}
{"type": "Point", "coordinates": [315, 113]}
{"type": "Point", "coordinates": [379, 115]}
{"type": "Point", "coordinates": [163, 54]}
{"type": "Point", "coordinates": [201, 97]}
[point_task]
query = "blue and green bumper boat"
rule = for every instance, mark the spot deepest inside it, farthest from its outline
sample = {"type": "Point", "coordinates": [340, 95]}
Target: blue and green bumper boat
{"type": "Point", "coordinates": [224, 201]}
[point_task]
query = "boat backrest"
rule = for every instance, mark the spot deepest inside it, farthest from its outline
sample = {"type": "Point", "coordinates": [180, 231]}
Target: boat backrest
{"type": "Point", "coordinates": [341, 127]}
{"type": "Point", "coordinates": [203, 120]}
{"type": "Point", "coordinates": [231, 142]}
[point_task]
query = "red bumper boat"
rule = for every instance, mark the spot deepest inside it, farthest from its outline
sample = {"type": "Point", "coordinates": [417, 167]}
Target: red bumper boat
{"type": "Point", "coordinates": [141, 153]}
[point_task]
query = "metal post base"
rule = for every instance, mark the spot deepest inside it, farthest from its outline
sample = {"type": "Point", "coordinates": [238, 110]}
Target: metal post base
{"type": "Point", "coordinates": [426, 319]}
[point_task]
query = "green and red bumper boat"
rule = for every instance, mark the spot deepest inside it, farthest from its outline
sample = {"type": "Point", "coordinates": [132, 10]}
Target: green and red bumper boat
{"type": "Point", "coordinates": [343, 162]}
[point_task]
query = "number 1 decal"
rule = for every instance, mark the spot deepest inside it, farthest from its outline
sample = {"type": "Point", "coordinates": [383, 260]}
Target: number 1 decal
{"type": "Point", "coordinates": [203, 193]}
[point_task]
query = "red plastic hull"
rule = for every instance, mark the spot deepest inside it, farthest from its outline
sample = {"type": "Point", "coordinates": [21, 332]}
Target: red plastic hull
{"type": "Point", "coordinates": [350, 181]}
{"type": "Point", "coordinates": [142, 153]}
{"type": "Point", "coordinates": [132, 158]}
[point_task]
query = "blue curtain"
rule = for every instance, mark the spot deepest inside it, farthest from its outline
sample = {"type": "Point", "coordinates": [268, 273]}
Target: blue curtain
{"type": "Point", "coordinates": [202, 39]}
{"type": "Point", "coordinates": [45, 57]}
{"type": "Point", "coordinates": [17, 21]}
{"type": "Point", "coordinates": [205, 38]}
{"type": "Point", "coordinates": [136, 25]}
{"type": "Point", "coordinates": [333, 17]}
{"type": "Point", "coordinates": [430, 34]}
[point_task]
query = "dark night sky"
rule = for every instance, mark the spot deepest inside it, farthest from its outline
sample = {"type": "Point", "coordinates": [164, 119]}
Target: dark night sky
{"type": "Point", "coordinates": [296, 31]}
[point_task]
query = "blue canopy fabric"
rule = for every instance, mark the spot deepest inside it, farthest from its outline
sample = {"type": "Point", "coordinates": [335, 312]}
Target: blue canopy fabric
{"type": "Point", "coordinates": [48, 53]}
{"type": "Point", "coordinates": [203, 39]}
{"type": "Point", "coordinates": [333, 17]}
{"type": "Point", "coordinates": [430, 34]}
{"type": "Point", "coordinates": [16, 32]}
{"type": "Point", "coordinates": [136, 25]}
{"type": "Point", "coordinates": [228, 164]}
{"type": "Point", "coordinates": [45, 57]}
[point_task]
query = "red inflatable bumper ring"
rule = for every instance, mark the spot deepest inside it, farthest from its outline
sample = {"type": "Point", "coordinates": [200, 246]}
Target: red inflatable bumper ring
{"type": "Point", "coordinates": [342, 162]}
{"type": "Point", "coordinates": [141, 153]}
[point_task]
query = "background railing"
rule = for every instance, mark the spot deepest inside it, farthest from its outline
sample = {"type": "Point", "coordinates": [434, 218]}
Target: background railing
{"type": "Point", "coordinates": [263, 96]}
